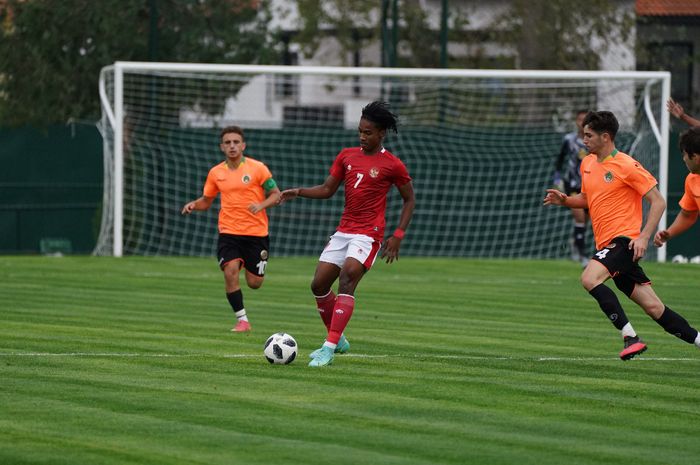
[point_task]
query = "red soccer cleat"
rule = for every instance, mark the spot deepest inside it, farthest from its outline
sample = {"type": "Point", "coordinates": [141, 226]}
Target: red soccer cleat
{"type": "Point", "coordinates": [633, 346]}
{"type": "Point", "coordinates": [242, 327]}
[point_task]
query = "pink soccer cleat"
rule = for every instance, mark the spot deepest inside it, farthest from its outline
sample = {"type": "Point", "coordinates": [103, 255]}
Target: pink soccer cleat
{"type": "Point", "coordinates": [633, 346]}
{"type": "Point", "coordinates": [242, 327]}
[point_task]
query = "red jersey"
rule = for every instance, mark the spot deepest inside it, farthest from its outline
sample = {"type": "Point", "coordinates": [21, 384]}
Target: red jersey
{"type": "Point", "coordinates": [368, 179]}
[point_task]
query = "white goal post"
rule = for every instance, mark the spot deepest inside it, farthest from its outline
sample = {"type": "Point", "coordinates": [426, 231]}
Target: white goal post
{"type": "Point", "coordinates": [480, 145]}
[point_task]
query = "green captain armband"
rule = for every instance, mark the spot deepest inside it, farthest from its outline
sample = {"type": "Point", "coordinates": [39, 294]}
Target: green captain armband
{"type": "Point", "coordinates": [269, 185]}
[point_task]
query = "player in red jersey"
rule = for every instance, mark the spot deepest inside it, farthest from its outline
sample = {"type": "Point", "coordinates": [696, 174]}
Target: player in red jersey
{"type": "Point", "coordinates": [690, 202]}
{"type": "Point", "coordinates": [367, 172]}
{"type": "Point", "coordinates": [613, 186]}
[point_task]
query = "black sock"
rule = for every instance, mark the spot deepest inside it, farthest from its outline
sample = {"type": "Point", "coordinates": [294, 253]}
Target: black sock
{"type": "Point", "coordinates": [610, 305]}
{"type": "Point", "coordinates": [580, 239]}
{"type": "Point", "coordinates": [675, 324]}
{"type": "Point", "coordinates": [235, 298]}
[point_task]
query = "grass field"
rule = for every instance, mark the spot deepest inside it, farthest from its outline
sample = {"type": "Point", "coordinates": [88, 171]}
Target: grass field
{"type": "Point", "coordinates": [114, 361]}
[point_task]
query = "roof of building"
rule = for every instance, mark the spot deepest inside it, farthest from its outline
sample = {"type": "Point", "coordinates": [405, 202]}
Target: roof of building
{"type": "Point", "coordinates": [668, 7]}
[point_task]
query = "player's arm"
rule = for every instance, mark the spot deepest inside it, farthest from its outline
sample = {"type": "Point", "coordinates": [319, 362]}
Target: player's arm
{"type": "Point", "coordinates": [676, 109]}
{"type": "Point", "coordinates": [202, 203]}
{"type": "Point", "coordinates": [555, 197]}
{"type": "Point", "coordinates": [391, 248]}
{"type": "Point", "coordinates": [322, 191]}
{"type": "Point", "coordinates": [657, 205]}
{"type": "Point", "coordinates": [684, 220]}
{"type": "Point", "coordinates": [272, 197]}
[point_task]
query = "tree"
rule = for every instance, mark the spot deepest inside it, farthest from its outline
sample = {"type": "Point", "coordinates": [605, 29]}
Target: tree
{"type": "Point", "coordinates": [354, 24]}
{"type": "Point", "coordinates": [557, 34]}
{"type": "Point", "coordinates": [563, 34]}
{"type": "Point", "coordinates": [51, 51]}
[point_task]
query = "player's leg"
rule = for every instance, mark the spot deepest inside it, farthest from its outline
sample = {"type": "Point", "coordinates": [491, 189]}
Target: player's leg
{"type": "Point", "coordinates": [670, 321]}
{"type": "Point", "coordinates": [327, 272]}
{"type": "Point", "coordinates": [360, 253]}
{"type": "Point", "coordinates": [234, 294]}
{"type": "Point", "coordinates": [607, 262]}
{"type": "Point", "coordinates": [324, 277]}
{"type": "Point", "coordinates": [230, 261]}
{"type": "Point", "coordinates": [255, 252]}
{"type": "Point", "coordinates": [350, 275]}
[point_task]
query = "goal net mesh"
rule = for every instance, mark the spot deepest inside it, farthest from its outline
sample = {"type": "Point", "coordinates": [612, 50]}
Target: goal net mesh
{"type": "Point", "coordinates": [480, 150]}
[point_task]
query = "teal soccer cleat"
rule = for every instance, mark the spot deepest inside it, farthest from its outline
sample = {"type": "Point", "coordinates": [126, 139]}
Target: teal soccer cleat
{"type": "Point", "coordinates": [323, 358]}
{"type": "Point", "coordinates": [342, 347]}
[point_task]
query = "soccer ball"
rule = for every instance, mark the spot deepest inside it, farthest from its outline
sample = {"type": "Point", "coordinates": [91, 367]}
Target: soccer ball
{"type": "Point", "coordinates": [280, 348]}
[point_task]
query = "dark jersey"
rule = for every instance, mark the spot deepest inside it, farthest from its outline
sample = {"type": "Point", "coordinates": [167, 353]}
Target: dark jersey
{"type": "Point", "coordinates": [569, 161]}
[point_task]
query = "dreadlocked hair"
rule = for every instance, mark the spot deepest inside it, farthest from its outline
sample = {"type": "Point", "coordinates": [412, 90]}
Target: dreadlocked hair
{"type": "Point", "coordinates": [378, 113]}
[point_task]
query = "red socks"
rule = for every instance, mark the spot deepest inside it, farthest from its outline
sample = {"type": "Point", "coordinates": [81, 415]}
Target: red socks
{"type": "Point", "coordinates": [325, 306]}
{"type": "Point", "coordinates": [342, 311]}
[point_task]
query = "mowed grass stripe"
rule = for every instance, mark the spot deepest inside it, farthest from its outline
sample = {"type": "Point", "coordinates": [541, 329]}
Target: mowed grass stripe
{"type": "Point", "coordinates": [456, 367]}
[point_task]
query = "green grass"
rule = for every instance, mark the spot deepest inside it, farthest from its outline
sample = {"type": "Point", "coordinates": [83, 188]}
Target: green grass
{"type": "Point", "coordinates": [113, 361]}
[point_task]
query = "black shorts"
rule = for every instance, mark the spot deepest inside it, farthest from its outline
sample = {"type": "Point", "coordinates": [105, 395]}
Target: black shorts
{"type": "Point", "coordinates": [253, 251]}
{"type": "Point", "coordinates": [618, 259]}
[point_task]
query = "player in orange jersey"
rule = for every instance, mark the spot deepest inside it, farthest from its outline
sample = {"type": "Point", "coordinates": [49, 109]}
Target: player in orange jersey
{"type": "Point", "coordinates": [367, 172]}
{"type": "Point", "coordinates": [247, 189]}
{"type": "Point", "coordinates": [690, 202]}
{"type": "Point", "coordinates": [613, 186]}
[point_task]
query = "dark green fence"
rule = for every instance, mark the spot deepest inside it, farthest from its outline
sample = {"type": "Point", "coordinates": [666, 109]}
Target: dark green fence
{"type": "Point", "coordinates": [50, 189]}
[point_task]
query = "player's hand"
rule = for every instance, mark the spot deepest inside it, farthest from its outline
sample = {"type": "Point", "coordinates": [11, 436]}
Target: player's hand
{"type": "Point", "coordinates": [390, 251]}
{"type": "Point", "coordinates": [288, 194]}
{"type": "Point", "coordinates": [255, 208]}
{"type": "Point", "coordinates": [661, 237]}
{"type": "Point", "coordinates": [188, 208]}
{"type": "Point", "coordinates": [554, 197]}
{"type": "Point", "coordinates": [639, 246]}
{"type": "Point", "coordinates": [675, 108]}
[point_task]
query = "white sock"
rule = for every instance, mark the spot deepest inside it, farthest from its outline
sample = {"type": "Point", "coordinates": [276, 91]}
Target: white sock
{"type": "Point", "coordinates": [628, 330]}
{"type": "Point", "coordinates": [241, 315]}
{"type": "Point", "coordinates": [697, 341]}
{"type": "Point", "coordinates": [330, 344]}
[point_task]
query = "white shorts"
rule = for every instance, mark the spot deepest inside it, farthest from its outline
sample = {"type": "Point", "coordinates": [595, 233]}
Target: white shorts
{"type": "Point", "coordinates": [358, 246]}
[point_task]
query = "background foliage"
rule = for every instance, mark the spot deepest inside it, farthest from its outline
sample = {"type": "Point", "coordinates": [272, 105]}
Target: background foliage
{"type": "Point", "coordinates": [51, 51]}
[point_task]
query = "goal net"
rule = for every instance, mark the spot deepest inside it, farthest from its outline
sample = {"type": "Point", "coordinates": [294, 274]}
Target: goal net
{"type": "Point", "coordinates": [480, 146]}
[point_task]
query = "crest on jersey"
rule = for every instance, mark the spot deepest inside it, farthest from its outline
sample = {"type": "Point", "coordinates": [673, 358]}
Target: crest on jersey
{"type": "Point", "coordinates": [349, 167]}
{"type": "Point", "coordinates": [608, 176]}
{"type": "Point", "coordinates": [245, 179]}
{"type": "Point", "coordinates": [374, 172]}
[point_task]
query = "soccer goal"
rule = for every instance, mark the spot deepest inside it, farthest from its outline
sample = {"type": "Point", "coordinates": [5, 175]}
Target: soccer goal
{"type": "Point", "coordinates": [479, 144]}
